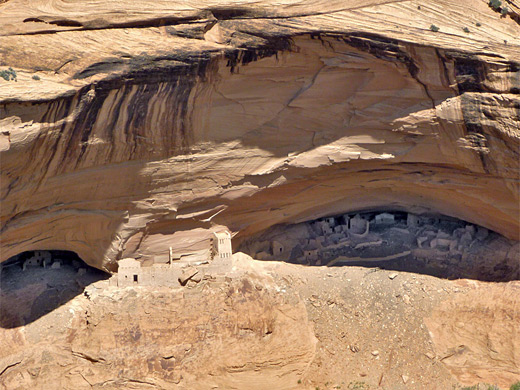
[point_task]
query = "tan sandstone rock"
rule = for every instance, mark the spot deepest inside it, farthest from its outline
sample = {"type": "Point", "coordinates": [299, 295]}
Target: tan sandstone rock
{"type": "Point", "coordinates": [151, 127]}
{"type": "Point", "coordinates": [230, 335]}
{"type": "Point", "coordinates": [477, 335]}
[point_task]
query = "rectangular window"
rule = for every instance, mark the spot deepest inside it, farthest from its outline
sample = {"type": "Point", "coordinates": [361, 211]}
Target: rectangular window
{"type": "Point", "coordinates": [135, 278]}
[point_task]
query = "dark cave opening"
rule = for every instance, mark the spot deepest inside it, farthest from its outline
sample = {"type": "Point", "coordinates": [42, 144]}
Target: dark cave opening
{"type": "Point", "coordinates": [34, 283]}
{"type": "Point", "coordinates": [432, 244]}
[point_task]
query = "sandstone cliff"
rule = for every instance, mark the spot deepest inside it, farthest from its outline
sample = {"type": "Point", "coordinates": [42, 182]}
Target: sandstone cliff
{"type": "Point", "coordinates": [131, 128]}
{"type": "Point", "coordinates": [256, 325]}
{"type": "Point", "coordinates": [237, 332]}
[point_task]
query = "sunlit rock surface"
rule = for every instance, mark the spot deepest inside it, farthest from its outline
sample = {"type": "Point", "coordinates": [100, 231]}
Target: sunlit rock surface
{"type": "Point", "coordinates": [234, 330]}
{"type": "Point", "coordinates": [476, 335]}
{"type": "Point", "coordinates": [129, 132]}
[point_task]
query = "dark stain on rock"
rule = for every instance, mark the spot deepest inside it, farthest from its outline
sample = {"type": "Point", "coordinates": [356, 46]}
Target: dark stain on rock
{"type": "Point", "coordinates": [135, 333]}
{"type": "Point", "coordinates": [139, 104]}
{"type": "Point", "coordinates": [387, 50]}
{"type": "Point", "coordinates": [108, 65]}
{"type": "Point", "coordinates": [58, 139]}
{"type": "Point", "coordinates": [35, 20]}
{"type": "Point", "coordinates": [167, 365]}
{"type": "Point", "coordinates": [470, 75]}
{"type": "Point", "coordinates": [246, 287]}
{"type": "Point", "coordinates": [256, 48]}
{"type": "Point", "coordinates": [381, 47]}
{"type": "Point", "coordinates": [66, 23]}
{"type": "Point", "coordinates": [172, 77]}
{"type": "Point", "coordinates": [472, 114]}
{"type": "Point", "coordinates": [226, 13]}
{"type": "Point", "coordinates": [471, 72]}
{"type": "Point", "coordinates": [100, 24]}
{"type": "Point", "coordinates": [90, 102]}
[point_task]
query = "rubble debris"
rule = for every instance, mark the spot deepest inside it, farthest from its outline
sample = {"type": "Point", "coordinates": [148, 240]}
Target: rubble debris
{"type": "Point", "coordinates": [188, 274]}
{"type": "Point", "coordinates": [56, 265]}
{"type": "Point", "coordinates": [389, 237]}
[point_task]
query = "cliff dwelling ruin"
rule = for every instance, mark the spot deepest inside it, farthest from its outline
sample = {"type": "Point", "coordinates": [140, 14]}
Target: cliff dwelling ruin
{"type": "Point", "coordinates": [132, 273]}
{"type": "Point", "coordinates": [47, 259]}
{"type": "Point", "coordinates": [47, 279]}
{"type": "Point", "coordinates": [44, 280]}
{"type": "Point", "coordinates": [258, 194]}
{"type": "Point", "coordinates": [432, 244]}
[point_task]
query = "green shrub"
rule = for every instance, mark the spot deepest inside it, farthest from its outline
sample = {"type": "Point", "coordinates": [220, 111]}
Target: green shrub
{"type": "Point", "coordinates": [36, 77]}
{"type": "Point", "coordinates": [495, 4]}
{"type": "Point", "coordinates": [498, 7]}
{"type": "Point", "coordinates": [466, 30]}
{"type": "Point", "coordinates": [481, 386]}
{"type": "Point", "coordinates": [9, 74]}
{"type": "Point", "coordinates": [478, 24]}
{"type": "Point", "coordinates": [358, 386]}
{"type": "Point", "coordinates": [515, 386]}
{"type": "Point", "coordinates": [434, 28]}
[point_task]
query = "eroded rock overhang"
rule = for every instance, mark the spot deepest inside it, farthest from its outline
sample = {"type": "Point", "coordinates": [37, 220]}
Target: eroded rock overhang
{"type": "Point", "coordinates": [435, 245]}
{"type": "Point", "coordinates": [147, 136]}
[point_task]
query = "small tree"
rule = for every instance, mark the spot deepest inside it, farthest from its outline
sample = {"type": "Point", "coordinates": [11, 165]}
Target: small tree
{"type": "Point", "coordinates": [434, 28]}
{"type": "Point", "coordinates": [495, 4]}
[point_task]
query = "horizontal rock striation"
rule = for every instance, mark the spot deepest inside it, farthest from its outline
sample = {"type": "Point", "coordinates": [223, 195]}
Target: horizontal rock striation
{"type": "Point", "coordinates": [125, 134]}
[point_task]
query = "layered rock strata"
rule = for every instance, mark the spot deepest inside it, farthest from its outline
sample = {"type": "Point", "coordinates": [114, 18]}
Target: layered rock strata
{"type": "Point", "coordinates": [126, 133]}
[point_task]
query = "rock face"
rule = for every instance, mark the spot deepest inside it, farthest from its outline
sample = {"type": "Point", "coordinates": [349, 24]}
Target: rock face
{"type": "Point", "coordinates": [127, 133]}
{"type": "Point", "coordinates": [476, 335]}
{"type": "Point", "coordinates": [233, 334]}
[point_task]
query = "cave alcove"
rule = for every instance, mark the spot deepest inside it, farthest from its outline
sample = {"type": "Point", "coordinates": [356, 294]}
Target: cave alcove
{"type": "Point", "coordinates": [431, 244]}
{"type": "Point", "coordinates": [34, 283]}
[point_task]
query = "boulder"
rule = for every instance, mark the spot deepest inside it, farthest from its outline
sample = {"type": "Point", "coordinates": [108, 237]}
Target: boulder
{"type": "Point", "coordinates": [189, 273]}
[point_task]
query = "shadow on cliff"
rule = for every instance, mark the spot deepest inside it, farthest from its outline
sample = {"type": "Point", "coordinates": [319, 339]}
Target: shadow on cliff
{"type": "Point", "coordinates": [498, 273]}
{"type": "Point", "coordinates": [502, 271]}
{"type": "Point", "coordinates": [433, 244]}
{"type": "Point", "coordinates": [29, 291]}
